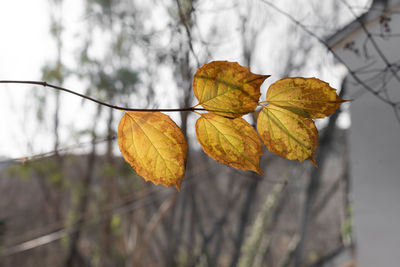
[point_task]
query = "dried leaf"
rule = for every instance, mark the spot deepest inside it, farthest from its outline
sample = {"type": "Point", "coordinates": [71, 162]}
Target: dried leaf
{"type": "Point", "coordinates": [287, 134]}
{"type": "Point", "coordinates": [227, 89]}
{"type": "Point", "coordinates": [232, 142]}
{"type": "Point", "coordinates": [154, 146]}
{"type": "Point", "coordinates": [307, 97]}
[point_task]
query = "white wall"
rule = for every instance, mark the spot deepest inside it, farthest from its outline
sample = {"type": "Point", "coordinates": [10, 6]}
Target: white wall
{"type": "Point", "coordinates": [374, 141]}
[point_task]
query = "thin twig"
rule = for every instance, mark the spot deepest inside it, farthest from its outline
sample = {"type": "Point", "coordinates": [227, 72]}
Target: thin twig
{"type": "Point", "coordinates": [323, 42]}
{"type": "Point", "coordinates": [45, 84]}
{"type": "Point", "coordinates": [373, 42]}
{"type": "Point", "coordinates": [45, 155]}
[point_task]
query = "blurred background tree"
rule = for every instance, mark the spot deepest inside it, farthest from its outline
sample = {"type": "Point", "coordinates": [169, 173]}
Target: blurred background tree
{"type": "Point", "coordinates": [83, 206]}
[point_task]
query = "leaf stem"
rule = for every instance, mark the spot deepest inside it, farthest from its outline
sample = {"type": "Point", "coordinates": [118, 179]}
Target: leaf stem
{"type": "Point", "coordinates": [198, 113]}
{"type": "Point", "coordinates": [45, 84]}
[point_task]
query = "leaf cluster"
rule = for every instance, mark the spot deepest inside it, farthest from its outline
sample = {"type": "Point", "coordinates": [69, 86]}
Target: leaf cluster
{"type": "Point", "coordinates": [155, 147]}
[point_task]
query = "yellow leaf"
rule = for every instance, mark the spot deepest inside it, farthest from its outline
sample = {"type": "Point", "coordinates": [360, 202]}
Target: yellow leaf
{"type": "Point", "coordinates": [232, 142]}
{"type": "Point", "coordinates": [227, 89]}
{"type": "Point", "coordinates": [287, 134]}
{"type": "Point", "coordinates": [308, 97]}
{"type": "Point", "coordinates": [154, 146]}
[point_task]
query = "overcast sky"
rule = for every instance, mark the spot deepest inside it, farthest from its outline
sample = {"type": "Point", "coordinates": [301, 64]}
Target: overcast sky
{"type": "Point", "coordinates": [25, 48]}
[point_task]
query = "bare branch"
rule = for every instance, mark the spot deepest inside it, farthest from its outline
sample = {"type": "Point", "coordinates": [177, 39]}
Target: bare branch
{"type": "Point", "coordinates": [45, 84]}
